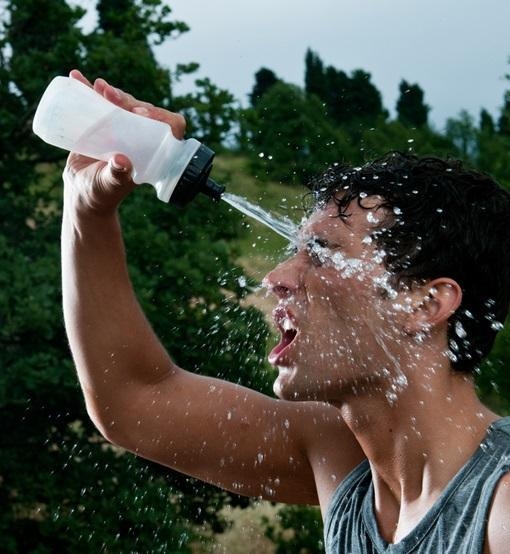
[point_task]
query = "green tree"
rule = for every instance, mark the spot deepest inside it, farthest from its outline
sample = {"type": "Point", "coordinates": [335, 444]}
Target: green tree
{"type": "Point", "coordinates": [210, 113]}
{"type": "Point", "coordinates": [291, 139]}
{"type": "Point", "coordinates": [494, 142]}
{"type": "Point", "coordinates": [63, 489]}
{"type": "Point", "coordinates": [493, 155]}
{"type": "Point", "coordinates": [493, 380]}
{"type": "Point", "coordinates": [120, 48]}
{"type": "Point", "coordinates": [504, 118]}
{"type": "Point", "coordinates": [349, 99]}
{"type": "Point", "coordinates": [487, 122]}
{"type": "Point", "coordinates": [297, 529]}
{"type": "Point", "coordinates": [315, 82]}
{"type": "Point", "coordinates": [363, 100]}
{"type": "Point", "coordinates": [394, 135]}
{"type": "Point", "coordinates": [38, 39]}
{"type": "Point", "coordinates": [411, 108]}
{"type": "Point", "coordinates": [463, 133]}
{"type": "Point", "coordinates": [264, 80]}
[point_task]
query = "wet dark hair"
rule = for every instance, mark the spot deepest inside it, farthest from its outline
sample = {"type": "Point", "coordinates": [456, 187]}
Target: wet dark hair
{"type": "Point", "coordinates": [445, 221]}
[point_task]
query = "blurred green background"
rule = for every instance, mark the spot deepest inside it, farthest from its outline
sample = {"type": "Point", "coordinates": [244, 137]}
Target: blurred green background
{"type": "Point", "coordinates": [62, 487]}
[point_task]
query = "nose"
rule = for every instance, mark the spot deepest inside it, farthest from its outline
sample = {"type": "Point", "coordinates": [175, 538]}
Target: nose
{"type": "Point", "coordinates": [283, 281]}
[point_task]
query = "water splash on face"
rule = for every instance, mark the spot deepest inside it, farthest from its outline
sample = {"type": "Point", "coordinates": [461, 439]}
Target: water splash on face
{"type": "Point", "coordinates": [383, 332]}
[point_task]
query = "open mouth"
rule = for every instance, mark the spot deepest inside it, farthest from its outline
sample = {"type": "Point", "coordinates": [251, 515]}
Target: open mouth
{"type": "Point", "coordinates": [288, 332]}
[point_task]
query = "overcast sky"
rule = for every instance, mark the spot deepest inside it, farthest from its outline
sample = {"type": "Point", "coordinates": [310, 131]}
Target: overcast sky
{"type": "Point", "coordinates": [456, 50]}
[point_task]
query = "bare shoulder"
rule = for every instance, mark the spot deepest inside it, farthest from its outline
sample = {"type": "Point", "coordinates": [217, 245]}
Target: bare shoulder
{"type": "Point", "coordinates": [332, 449]}
{"type": "Point", "coordinates": [498, 525]}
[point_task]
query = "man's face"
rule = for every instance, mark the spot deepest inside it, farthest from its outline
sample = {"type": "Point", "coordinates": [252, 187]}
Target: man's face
{"type": "Point", "coordinates": [339, 319]}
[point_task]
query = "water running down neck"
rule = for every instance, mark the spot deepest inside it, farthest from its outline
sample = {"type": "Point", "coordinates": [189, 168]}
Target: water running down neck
{"type": "Point", "coordinates": [281, 225]}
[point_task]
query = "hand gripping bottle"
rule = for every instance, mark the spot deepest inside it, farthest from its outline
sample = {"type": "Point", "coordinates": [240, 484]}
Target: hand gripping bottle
{"type": "Point", "coordinates": [74, 117]}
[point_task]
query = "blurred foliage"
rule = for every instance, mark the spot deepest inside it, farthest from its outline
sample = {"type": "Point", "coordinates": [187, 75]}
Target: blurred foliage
{"type": "Point", "coordinates": [297, 530]}
{"type": "Point", "coordinates": [411, 109]}
{"type": "Point", "coordinates": [290, 135]}
{"type": "Point", "coordinates": [62, 487]}
{"type": "Point", "coordinates": [264, 80]}
{"type": "Point", "coordinates": [348, 99]}
{"type": "Point", "coordinates": [210, 113]}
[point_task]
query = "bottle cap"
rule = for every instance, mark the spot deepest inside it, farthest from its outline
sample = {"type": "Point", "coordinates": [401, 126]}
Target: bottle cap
{"type": "Point", "coordinates": [196, 179]}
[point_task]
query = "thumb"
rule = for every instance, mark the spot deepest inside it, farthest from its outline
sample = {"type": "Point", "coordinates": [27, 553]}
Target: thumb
{"type": "Point", "coordinates": [121, 169]}
{"type": "Point", "coordinates": [117, 176]}
{"type": "Point", "coordinates": [114, 181]}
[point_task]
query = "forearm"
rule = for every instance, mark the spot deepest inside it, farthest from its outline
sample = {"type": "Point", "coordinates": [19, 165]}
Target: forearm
{"type": "Point", "coordinates": [113, 345]}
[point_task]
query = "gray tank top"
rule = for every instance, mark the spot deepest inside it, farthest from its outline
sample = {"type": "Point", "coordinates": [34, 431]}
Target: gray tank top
{"type": "Point", "coordinates": [455, 524]}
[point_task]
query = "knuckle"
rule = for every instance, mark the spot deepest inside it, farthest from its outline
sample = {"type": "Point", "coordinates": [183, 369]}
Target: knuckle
{"type": "Point", "coordinates": [179, 124]}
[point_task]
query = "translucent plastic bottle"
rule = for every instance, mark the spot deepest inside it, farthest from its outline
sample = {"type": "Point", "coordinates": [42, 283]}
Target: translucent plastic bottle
{"type": "Point", "coordinates": [72, 116]}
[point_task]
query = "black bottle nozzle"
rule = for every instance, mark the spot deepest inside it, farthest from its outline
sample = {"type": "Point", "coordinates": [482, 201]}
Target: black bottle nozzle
{"type": "Point", "coordinates": [196, 179]}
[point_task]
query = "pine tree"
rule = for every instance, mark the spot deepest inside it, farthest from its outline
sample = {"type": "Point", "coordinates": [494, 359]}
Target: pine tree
{"type": "Point", "coordinates": [264, 80]}
{"type": "Point", "coordinates": [315, 79]}
{"type": "Point", "coordinates": [487, 122]}
{"type": "Point", "coordinates": [504, 118]}
{"type": "Point", "coordinates": [411, 108]}
{"type": "Point", "coordinates": [348, 99]}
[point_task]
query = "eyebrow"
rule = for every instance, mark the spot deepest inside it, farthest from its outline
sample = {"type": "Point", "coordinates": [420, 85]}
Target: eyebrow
{"type": "Point", "coordinates": [320, 241]}
{"type": "Point", "coordinates": [316, 239]}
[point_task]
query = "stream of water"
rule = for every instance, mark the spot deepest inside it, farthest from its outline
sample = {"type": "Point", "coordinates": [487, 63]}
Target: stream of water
{"type": "Point", "coordinates": [281, 225]}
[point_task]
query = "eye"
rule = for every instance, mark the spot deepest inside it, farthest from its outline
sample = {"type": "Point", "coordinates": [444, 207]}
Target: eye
{"type": "Point", "coordinates": [316, 248]}
{"type": "Point", "coordinates": [320, 242]}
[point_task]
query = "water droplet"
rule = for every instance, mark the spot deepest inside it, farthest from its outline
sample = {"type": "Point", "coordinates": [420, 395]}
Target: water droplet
{"type": "Point", "coordinates": [269, 491]}
{"type": "Point", "coordinates": [391, 397]}
{"type": "Point", "coordinates": [372, 218]}
{"type": "Point", "coordinates": [459, 330]}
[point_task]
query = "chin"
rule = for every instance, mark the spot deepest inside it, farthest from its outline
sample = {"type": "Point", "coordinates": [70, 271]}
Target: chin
{"type": "Point", "coordinates": [280, 388]}
{"type": "Point", "coordinates": [286, 387]}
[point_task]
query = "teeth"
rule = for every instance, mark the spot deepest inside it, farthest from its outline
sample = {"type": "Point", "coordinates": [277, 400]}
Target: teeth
{"type": "Point", "coordinates": [287, 325]}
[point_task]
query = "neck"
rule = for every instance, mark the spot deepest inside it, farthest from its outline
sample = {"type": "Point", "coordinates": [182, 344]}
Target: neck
{"type": "Point", "coordinates": [417, 438]}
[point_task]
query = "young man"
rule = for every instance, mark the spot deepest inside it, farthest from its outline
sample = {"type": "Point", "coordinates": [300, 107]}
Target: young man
{"type": "Point", "coordinates": [399, 282]}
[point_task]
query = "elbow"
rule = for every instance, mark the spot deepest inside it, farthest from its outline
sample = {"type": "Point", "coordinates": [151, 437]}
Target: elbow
{"type": "Point", "coordinates": [109, 424]}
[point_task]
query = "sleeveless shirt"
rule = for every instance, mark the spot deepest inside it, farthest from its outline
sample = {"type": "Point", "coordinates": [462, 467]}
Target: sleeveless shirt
{"type": "Point", "coordinates": [456, 522]}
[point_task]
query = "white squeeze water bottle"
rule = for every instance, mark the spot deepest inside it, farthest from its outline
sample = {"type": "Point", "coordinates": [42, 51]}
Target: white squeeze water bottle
{"type": "Point", "coordinates": [74, 117]}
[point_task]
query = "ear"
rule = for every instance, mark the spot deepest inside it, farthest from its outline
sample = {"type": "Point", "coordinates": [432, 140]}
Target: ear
{"type": "Point", "coordinates": [436, 302]}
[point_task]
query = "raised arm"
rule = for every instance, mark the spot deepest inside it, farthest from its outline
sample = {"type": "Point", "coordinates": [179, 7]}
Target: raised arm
{"type": "Point", "coordinates": [217, 431]}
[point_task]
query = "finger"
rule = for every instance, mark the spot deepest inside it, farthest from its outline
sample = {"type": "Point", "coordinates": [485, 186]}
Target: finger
{"type": "Point", "coordinates": [78, 75]}
{"type": "Point", "coordinates": [129, 102]}
{"type": "Point", "coordinates": [118, 96]}
{"type": "Point", "coordinates": [110, 93]}
{"type": "Point", "coordinates": [175, 120]}
{"type": "Point", "coordinates": [115, 177]}
{"type": "Point", "coordinates": [120, 165]}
